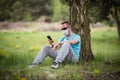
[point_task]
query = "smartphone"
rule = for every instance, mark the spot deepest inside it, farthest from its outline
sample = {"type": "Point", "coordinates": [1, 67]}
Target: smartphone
{"type": "Point", "coordinates": [50, 40]}
{"type": "Point", "coordinates": [49, 37]}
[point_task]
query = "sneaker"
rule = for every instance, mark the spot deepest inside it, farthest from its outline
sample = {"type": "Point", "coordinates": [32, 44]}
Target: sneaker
{"type": "Point", "coordinates": [33, 64]}
{"type": "Point", "coordinates": [55, 65]}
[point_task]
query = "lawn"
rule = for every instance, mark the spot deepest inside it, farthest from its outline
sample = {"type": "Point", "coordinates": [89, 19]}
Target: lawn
{"type": "Point", "coordinates": [18, 49]}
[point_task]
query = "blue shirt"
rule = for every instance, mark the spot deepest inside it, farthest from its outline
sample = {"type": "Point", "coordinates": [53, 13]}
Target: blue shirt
{"type": "Point", "coordinates": [75, 47]}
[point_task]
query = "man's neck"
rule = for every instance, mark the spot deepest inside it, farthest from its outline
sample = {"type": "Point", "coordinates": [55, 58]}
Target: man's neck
{"type": "Point", "coordinates": [70, 34]}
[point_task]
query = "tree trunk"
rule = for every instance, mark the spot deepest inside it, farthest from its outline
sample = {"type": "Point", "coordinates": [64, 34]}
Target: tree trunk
{"type": "Point", "coordinates": [80, 22]}
{"type": "Point", "coordinates": [118, 29]}
{"type": "Point", "coordinates": [116, 19]}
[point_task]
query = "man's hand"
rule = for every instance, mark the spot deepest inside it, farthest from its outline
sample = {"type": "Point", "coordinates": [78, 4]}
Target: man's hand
{"type": "Point", "coordinates": [56, 46]}
{"type": "Point", "coordinates": [51, 43]}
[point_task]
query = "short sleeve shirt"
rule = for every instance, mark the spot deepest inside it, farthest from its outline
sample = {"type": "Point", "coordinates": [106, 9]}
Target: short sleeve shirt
{"type": "Point", "coordinates": [75, 47]}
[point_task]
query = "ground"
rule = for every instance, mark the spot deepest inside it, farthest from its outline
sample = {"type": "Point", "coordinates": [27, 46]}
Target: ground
{"type": "Point", "coordinates": [18, 48]}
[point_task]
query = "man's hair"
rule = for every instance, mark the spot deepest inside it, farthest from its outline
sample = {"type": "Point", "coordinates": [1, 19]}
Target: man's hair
{"type": "Point", "coordinates": [66, 22]}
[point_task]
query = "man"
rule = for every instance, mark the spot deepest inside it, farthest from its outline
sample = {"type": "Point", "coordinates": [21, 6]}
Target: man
{"type": "Point", "coordinates": [69, 45]}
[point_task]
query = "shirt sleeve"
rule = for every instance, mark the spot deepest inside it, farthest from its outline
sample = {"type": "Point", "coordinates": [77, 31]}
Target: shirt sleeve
{"type": "Point", "coordinates": [61, 39]}
{"type": "Point", "coordinates": [78, 38]}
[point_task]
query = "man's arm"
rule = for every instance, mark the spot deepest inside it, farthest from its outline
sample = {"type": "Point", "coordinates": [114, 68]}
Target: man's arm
{"type": "Point", "coordinates": [56, 46]}
{"type": "Point", "coordinates": [75, 41]}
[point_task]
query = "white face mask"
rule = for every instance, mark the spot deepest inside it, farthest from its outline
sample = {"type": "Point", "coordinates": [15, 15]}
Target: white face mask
{"type": "Point", "coordinates": [65, 32]}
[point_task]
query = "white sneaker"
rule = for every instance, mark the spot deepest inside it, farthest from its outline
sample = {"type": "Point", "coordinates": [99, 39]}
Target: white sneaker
{"type": "Point", "coordinates": [55, 65]}
{"type": "Point", "coordinates": [33, 64]}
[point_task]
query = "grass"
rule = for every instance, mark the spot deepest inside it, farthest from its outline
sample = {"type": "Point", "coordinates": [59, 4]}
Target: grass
{"type": "Point", "coordinates": [18, 49]}
{"type": "Point", "coordinates": [105, 45]}
{"type": "Point", "coordinates": [22, 47]}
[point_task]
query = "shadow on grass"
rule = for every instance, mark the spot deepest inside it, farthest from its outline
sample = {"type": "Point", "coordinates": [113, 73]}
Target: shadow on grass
{"type": "Point", "coordinates": [95, 70]}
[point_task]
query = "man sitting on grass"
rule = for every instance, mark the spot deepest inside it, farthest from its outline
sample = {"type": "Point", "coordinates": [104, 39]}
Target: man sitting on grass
{"type": "Point", "coordinates": [69, 45]}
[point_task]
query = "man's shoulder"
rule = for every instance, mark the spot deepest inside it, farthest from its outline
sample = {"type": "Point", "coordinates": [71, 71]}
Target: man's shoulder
{"type": "Point", "coordinates": [62, 38]}
{"type": "Point", "coordinates": [74, 34]}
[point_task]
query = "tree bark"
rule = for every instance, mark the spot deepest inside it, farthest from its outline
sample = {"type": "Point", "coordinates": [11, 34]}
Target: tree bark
{"type": "Point", "coordinates": [80, 22]}
{"type": "Point", "coordinates": [116, 19]}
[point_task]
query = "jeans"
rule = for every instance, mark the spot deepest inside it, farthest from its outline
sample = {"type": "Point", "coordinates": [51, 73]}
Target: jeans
{"type": "Point", "coordinates": [64, 53]}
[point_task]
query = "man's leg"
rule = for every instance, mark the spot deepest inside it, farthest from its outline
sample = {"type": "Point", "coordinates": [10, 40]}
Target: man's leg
{"type": "Point", "coordinates": [66, 51]}
{"type": "Point", "coordinates": [44, 52]}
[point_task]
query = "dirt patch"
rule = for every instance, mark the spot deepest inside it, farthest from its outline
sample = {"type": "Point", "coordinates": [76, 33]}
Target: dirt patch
{"type": "Point", "coordinates": [115, 75]}
{"type": "Point", "coordinates": [109, 76]}
{"type": "Point", "coordinates": [29, 26]}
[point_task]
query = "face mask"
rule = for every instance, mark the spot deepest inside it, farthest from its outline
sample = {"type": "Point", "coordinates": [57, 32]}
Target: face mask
{"type": "Point", "coordinates": [65, 32]}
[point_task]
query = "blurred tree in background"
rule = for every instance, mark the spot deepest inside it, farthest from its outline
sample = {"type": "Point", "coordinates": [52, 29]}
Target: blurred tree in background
{"type": "Point", "coordinates": [61, 11]}
{"type": "Point", "coordinates": [25, 10]}
{"type": "Point", "coordinates": [105, 10]}
{"type": "Point", "coordinates": [40, 8]}
{"type": "Point", "coordinates": [5, 9]}
{"type": "Point", "coordinates": [30, 10]}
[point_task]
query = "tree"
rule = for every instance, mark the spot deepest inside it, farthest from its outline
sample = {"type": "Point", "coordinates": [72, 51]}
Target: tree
{"type": "Point", "coordinates": [60, 11]}
{"type": "Point", "coordinates": [40, 8]}
{"type": "Point", "coordinates": [80, 22]}
{"type": "Point", "coordinates": [20, 10]}
{"type": "Point", "coordinates": [5, 9]}
{"type": "Point", "coordinates": [100, 10]}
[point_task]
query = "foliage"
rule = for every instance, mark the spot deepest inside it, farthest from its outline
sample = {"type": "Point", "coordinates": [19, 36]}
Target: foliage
{"type": "Point", "coordinates": [29, 10]}
{"type": "Point", "coordinates": [61, 11]}
{"type": "Point", "coordinates": [100, 10]}
{"type": "Point", "coordinates": [5, 9]}
{"type": "Point", "coordinates": [40, 7]}
{"type": "Point", "coordinates": [28, 17]}
{"type": "Point", "coordinates": [17, 10]}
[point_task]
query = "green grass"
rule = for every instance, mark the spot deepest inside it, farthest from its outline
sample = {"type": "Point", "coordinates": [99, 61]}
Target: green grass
{"type": "Point", "coordinates": [105, 45]}
{"type": "Point", "coordinates": [18, 49]}
{"type": "Point", "coordinates": [22, 47]}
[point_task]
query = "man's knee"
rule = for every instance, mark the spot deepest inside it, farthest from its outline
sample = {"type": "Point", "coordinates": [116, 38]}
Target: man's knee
{"type": "Point", "coordinates": [66, 44]}
{"type": "Point", "coordinates": [46, 47]}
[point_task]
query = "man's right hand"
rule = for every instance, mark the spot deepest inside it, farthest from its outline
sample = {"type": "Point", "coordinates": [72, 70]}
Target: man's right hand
{"type": "Point", "coordinates": [50, 42]}
{"type": "Point", "coordinates": [56, 46]}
